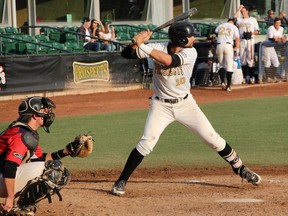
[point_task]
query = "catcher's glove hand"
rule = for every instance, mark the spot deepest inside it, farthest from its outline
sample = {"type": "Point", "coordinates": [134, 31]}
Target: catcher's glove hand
{"type": "Point", "coordinates": [82, 146]}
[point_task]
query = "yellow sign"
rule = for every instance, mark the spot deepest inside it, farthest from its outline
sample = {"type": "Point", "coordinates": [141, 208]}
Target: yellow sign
{"type": "Point", "coordinates": [84, 72]}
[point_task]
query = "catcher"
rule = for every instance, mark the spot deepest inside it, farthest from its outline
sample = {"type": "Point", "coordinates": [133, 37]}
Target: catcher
{"type": "Point", "coordinates": [27, 175]}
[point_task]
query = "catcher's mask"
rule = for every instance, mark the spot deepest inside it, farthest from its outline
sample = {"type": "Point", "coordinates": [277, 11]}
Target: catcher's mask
{"type": "Point", "coordinates": [179, 33]}
{"type": "Point", "coordinates": [32, 106]}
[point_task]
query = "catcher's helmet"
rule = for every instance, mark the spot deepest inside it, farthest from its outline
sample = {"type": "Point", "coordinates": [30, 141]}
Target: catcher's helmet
{"type": "Point", "coordinates": [32, 106]}
{"type": "Point", "coordinates": [179, 31]}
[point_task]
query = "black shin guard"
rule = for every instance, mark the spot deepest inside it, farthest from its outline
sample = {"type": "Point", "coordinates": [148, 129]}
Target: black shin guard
{"type": "Point", "coordinates": [231, 157]}
{"type": "Point", "coordinates": [134, 159]}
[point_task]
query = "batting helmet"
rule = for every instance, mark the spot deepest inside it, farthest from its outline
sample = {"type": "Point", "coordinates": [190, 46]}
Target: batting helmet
{"type": "Point", "coordinates": [179, 31]}
{"type": "Point", "coordinates": [233, 19]}
{"type": "Point", "coordinates": [32, 106]}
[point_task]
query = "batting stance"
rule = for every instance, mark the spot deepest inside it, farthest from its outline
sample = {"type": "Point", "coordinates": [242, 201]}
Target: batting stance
{"type": "Point", "coordinates": [248, 27]}
{"type": "Point", "coordinates": [27, 175]}
{"type": "Point", "coordinates": [173, 101]}
{"type": "Point", "coordinates": [275, 33]}
{"type": "Point", "coordinates": [227, 33]}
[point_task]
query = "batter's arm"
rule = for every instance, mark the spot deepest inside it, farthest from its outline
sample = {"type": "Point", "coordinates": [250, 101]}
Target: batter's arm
{"type": "Point", "coordinates": [157, 55]}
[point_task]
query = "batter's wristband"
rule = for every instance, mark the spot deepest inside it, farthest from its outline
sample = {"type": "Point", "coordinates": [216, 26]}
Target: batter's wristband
{"type": "Point", "coordinates": [134, 40]}
{"type": "Point", "coordinates": [58, 155]}
{"type": "Point", "coordinates": [146, 48]}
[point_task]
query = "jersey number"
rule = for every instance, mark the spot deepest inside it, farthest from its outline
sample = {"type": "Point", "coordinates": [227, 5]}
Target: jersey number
{"type": "Point", "coordinates": [225, 31]}
{"type": "Point", "coordinates": [180, 81]}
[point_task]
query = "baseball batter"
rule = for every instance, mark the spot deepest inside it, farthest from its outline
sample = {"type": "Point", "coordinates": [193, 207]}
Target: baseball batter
{"type": "Point", "coordinates": [227, 33]}
{"type": "Point", "coordinates": [275, 33]}
{"type": "Point", "coordinates": [248, 27]}
{"type": "Point", "coordinates": [173, 101]}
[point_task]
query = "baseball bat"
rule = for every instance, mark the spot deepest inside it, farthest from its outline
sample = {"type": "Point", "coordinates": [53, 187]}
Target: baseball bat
{"type": "Point", "coordinates": [180, 17]}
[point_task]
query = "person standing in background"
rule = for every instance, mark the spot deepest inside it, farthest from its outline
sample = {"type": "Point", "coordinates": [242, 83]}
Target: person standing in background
{"type": "Point", "coordinates": [248, 28]}
{"type": "Point", "coordinates": [275, 33]}
{"type": "Point", "coordinates": [227, 33]}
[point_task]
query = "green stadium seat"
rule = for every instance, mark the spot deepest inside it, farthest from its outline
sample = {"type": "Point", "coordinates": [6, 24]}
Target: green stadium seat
{"type": "Point", "coordinates": [123, 36]}
{"type": "Point", "coordinates": [11, 30]}
{"type": "Point", "coordinates": [55, 36]}
{"type": "Point", "coordinates": [73, 46]}
{"type": "Point", "coordinates": [2, 31]}
{"type": "Point", "coordinates": [9, 47]}
{"type": "Point", "coordinates": [70, 37]}
{"type": "Point", "coordinates": [42, 38]}
{"type": "Point", "coordinates": [34, 49]}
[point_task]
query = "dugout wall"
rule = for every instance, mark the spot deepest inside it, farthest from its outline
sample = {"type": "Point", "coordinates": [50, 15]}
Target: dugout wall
{"type": "Point", "coordinates": [52, 72]}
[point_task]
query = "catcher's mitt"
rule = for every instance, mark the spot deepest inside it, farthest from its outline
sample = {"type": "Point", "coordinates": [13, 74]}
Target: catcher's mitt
{"type": "Point", "coordinates": [82, 146]}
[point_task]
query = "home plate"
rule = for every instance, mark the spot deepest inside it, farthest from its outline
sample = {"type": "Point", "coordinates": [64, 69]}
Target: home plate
{"type": "Point", "coordinates": [241, 200]}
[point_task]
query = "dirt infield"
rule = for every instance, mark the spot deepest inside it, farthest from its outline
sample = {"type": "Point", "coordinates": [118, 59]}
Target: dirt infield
{"type": "Point", "coordinates": [168, 191]}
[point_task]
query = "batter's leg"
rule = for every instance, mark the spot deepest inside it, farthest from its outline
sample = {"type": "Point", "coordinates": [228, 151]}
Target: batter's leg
{"type": "Point", "coordinates": [159, 117]}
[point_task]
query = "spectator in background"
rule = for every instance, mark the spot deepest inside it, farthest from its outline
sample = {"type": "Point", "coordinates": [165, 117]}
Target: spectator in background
{"type": "Point", "coordinates": [85, 35]}
{"type": "Point", "coordinates": [248, 27]}
{"type": "Point", "coordinates": [107, 32]}
{"type": "Point", "coordinates": [96, 27]}
{"type": "Point", "coordinates": [270, 17]}
{"type": "Point", "coordinates": [275, 33]}
{"type": "Point", "coordinates": [284, 20]}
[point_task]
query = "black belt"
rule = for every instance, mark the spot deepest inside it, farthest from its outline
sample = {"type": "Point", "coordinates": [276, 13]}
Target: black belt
{"type": "Point", "coordinates": [226, 43]}
{"type": "Point", "coordinates": [172, 101]}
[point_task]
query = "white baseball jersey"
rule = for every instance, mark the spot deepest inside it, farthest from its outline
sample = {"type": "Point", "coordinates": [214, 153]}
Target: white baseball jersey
{"type": "Point", "coordinates": [173, 82]}
{"type": "Point", "coordinates": [227, 32]}
{"type": "Point", "coordinates": [269, 53]}
{"type": "Point", "coordinates": [173, 101]}
{"type": "Point", "coordinates": [247, 46]}
{"type": "Point", "coordinates": [247, 25]}
{"type": "Point", "coordinates": [272, 32]}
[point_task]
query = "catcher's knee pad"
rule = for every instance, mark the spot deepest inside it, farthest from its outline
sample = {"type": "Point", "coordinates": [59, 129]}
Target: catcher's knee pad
{"type": "Point", "coordinates": [55, 176]}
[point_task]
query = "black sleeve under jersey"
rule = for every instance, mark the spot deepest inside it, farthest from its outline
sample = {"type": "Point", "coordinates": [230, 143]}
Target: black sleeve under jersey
{"type": "Point", "coordinates": [129, 53]}
{"type": "Point", "coordinates": [175, 61]}
{"type": "Point", "coordinates": [10, 169]}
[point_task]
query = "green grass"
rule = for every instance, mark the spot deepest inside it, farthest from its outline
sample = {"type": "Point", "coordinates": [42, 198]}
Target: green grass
{"type": "Point", "coordinates": [255, 128]}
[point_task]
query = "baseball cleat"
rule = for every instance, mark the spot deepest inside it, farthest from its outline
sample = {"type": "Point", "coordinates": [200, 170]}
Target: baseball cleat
{"type": "Point", "coordinates": [250, 176]}
{"type": "Point", "coordinates": [228, 89]}
{"type": "Point", "coordinates": [223, 86]}
{"type": "Point", "coordinates": [119, 188]}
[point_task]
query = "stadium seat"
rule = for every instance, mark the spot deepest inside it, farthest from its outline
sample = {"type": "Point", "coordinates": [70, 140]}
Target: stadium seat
{"type": "Point", "coordinates": [73, 46]}
{"type": "Point", "coordinates": [70, 37]}
{"type": "Point", "coordinates": [9, 46]}
{"type": "Point", "coordinates": [11, 30]}
{"type": "Point", "coordinates": [42, 38]}
{"type": "Point", "coordinates": [2, 31]}
{"type": "Point", "coordinates": [123, 36]}
{"type": "Point", "coordinates": [34, 49]}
